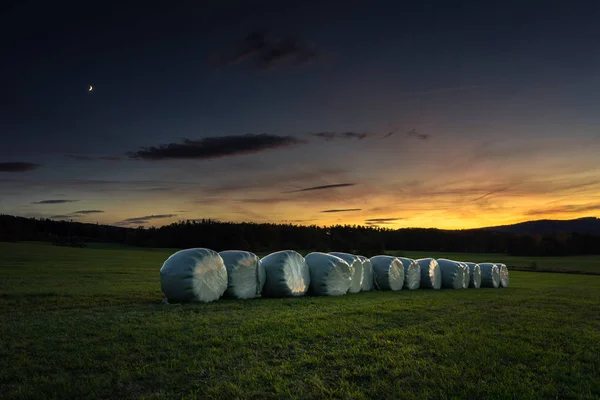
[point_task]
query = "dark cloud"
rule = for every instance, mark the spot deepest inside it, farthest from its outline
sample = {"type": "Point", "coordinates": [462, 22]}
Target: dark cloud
{"type": "Point", "coordinates": [215, 147]}
{"type": "Point", "coordinates": [89, 158]}
{"type": "Point", "coordinates": [158, 189]}
{"type": "Point", "coordinates": [80, 158]}
{"type": "Point", "coordinates": [382, 220]}
{"type": "Point", "coordinates": [341, 210]}
{"type": "Point", "coordinates": [342, 135]}
{"type": "Point", "coordinates": [85, 212]}
{"type": "Point", "coordinates": [335, 185]}
{"type": "Point", "coordinates": [100, 186]}
{"type": "Point", "coordinates": [493, 192]}
{"type": "Point", "coordinates": [453, 192]}
{"type": "Point", "coordinates": [268, 52]}
{"type": "Point", "coordinates": [272, 180]}
{"type": "Point", "coordinates": [565, 209]}
{"type": "Point", "coordinates": [286, 49]}
{"type": "Point", "coordinates": [450, 89]}
{"type": "Point", "coordinates": [62, 217]}
{"type": "Point", "coordinates": [268, 200]}
{"type": "Point", "coordinates": [414, 133]}
{"type": "Point", "coordinates": [143, 220]}
{"type": "Point", "coordinates": [54, 201]}
{"type": "Point", "coordinates": [18, 166]}
{"type": "Point", "coordinates": [253, 43]}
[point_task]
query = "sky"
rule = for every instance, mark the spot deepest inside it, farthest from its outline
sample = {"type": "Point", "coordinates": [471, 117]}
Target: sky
{"type": "Point", "coordinates": [394, 114]}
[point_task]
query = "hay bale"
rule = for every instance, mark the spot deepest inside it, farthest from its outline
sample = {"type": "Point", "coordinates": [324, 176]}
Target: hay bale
{"type": "Point", "coordinates": [356, 268]}
{"type": "Point", "coordinates": [287, 274]}
{"type": "Point", "coordinates": [466, 275]}
{"type": "Point", "coordinates": [329, 275]}
{"type": "Point", "coordinates": [245, 274]}
{"type": "Point", "coordinates": [431, 275]}
{"type": "Point", "coordinates": [388, 273]}
{"type": "Point", "coordinates": [490, 275]}
{"type": "Point", "coordinates": [196, 275]}
{"type": "Point", "coordinates": [367, 283]}
{"type": "Point", "coordinates": [452, 273]}
{"type": "Point", "coordinates": [503, 272]}
{"type": "Point", "coordinates": [412, 273]}
{"type": "Point", "coordinates": [474, 275]}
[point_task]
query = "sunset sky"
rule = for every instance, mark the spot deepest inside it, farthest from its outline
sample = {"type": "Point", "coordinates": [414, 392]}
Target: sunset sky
{"type": "Point", "coordinates": [396, 114]}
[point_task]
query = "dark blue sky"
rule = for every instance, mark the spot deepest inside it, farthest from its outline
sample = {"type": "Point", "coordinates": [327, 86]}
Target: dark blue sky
{"type": "Point", "coordinates": [471, 79]}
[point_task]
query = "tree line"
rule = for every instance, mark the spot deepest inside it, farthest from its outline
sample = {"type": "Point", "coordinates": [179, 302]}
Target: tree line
{"type": "Point", "coordinates": [366, 240]}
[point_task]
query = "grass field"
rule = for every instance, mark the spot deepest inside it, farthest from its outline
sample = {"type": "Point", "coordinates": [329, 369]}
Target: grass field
{"type": "Point", "coordinates": [89, 323]}
{"type": "Point", "coordinates": [572, 264]}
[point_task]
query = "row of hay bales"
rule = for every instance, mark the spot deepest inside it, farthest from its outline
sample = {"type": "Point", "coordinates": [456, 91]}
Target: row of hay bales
{"type": "Point", "coordinates": [204, 275]}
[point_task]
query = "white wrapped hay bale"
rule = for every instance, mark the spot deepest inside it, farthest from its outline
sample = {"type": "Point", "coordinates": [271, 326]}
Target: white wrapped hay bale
{"type": "Point", "coordinates": [356, 269]}
{"type": "Point", "coordinates": [452, 273]}
{"type": "Point", "coordinates": [503, 272]}
{"type": "Point", "coordinates": [329, 275]}
{"type": "Point", "coordinates": [245, 274]}
{"type": "Point", "coordinates": [474, 275]}
{"type": "Point", "coordinates": [388, 273]}
{"type": "Point", "coordinates": [431, 275]}
{"type": "Point", "coordinates": [193, 275]}
{"type": "Point", "coordinates": [367, 283]}
{"type": "Point", "coordinates": [287, 274]}
{"type": "Point", "coordinates": [466, 275]}
{"type": "Point", "coordinates": [412, 273]}
{"type": "Point", "coordinates": [490, 275]}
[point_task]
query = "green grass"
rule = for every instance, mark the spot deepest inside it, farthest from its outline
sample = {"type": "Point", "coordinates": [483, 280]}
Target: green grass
{"type": "Point", "coordinates": [89, 323]}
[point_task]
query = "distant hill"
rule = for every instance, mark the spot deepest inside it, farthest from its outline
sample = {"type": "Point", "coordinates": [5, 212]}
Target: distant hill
{"type": "Point", "coordinates": [580, 225]}
{"type": "Point", "coordinates": [563, 238]}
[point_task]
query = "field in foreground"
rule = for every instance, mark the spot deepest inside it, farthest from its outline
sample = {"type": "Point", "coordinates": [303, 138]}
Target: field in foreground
{"type": "Point", "coordinates": [81, 323]}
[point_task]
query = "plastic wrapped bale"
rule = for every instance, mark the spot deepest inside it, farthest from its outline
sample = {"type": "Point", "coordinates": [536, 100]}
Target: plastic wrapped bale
{"type": "Point", "coordinates": [431, 275]}
{"type": "Point", "coordinates": [197, 275]}
{"type": "Point", "coordinates": [474, 275]}
{"type": "Point", "coordinates": [412, 273]}
{"type": "Point", "coordinates": [329, 275]}
{"type": "Point", "coordinates": [286, 274]}
{"type": "Point", "coordinates": [245, 274]}
{"type": "Point", "coordinates": [503, 271]}
{"type": "Point", "coordinates": [452, 273]}
{"type": "Point", "coordinates": [490, 275]}
{"type": "Point", "coordinates": [388, 273]}
{"type": "Point", "coordinates": [466, 275]}
{"type": "Point", "coordinates": [356, 269]}
{"type": "Point", "coordinates": [367, 283]}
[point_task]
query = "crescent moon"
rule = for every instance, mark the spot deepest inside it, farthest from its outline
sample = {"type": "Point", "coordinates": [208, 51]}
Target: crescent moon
{"type": "Point", "coordinates": [90, 88]}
